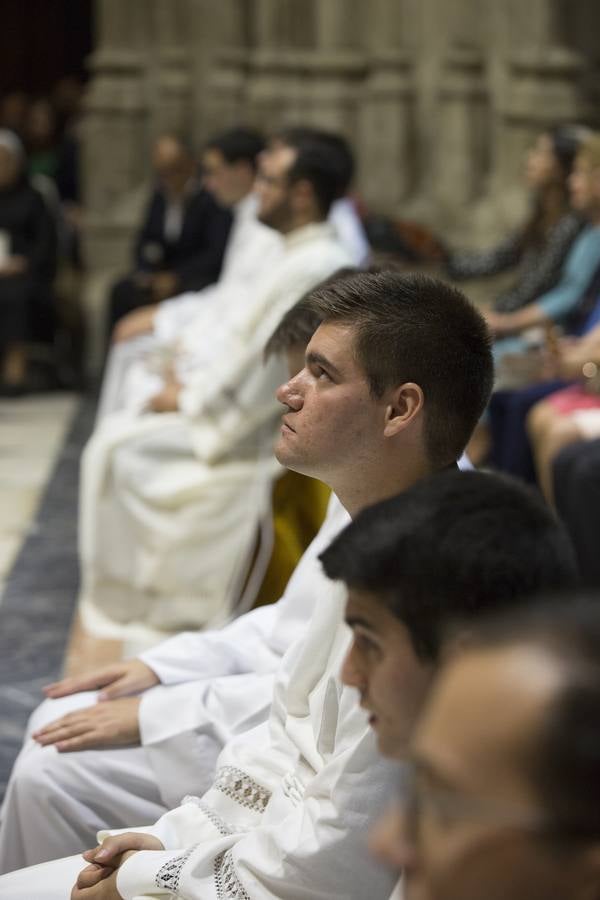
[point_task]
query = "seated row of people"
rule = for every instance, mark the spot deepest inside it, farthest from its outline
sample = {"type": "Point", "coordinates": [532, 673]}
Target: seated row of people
{"type": "Point", "coordinates": [253, 719]}
{"type": "Point", "coordinates": [178, 474]}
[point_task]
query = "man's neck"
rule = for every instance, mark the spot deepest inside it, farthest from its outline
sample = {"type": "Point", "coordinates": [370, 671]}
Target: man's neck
{"type": "Point", "coordinates": [365, 491]}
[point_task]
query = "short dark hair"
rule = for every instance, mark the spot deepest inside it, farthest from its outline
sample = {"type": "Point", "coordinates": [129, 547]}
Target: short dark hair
{"type": "Point", "coordinates": [414, 328]}
{"type": "Point", "coordinates": [238, 144]}
{"type": "Point", "coordinates": [564, 762]}
{"type": "Point", "coordinates": [301, 321]}
{"type": "Point", "coordinates": [451, 549]}
{"type": "Point", "coordinates": [298, 135]}
{"type": "Point", "coordinates": [320, 164]}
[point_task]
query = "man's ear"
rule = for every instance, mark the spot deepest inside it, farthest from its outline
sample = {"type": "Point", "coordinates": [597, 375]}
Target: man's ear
{"type": "Point", "coordinates": [405, 404]}
{"type": "Point", "coordinates": [302, 195]}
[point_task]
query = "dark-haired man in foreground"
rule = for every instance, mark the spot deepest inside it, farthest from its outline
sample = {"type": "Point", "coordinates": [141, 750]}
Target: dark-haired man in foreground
{"type": "Point", "coordinates": [442, 555]}
{"type": "Point", "coordinates": [370, 415]}
{"type": "Point", "coordinates": [506, 759]}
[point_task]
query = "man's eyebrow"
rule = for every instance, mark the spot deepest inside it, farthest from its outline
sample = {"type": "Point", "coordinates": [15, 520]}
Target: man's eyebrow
{"type": "Point", "coordinates": [354, 621]}
{"type": "Point", "coordinates": [320, 360]}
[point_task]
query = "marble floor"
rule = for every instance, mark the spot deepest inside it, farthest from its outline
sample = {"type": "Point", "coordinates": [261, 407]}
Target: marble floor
{"type": "Point", "coordinates": [41, 438]}
{"type": "Point", "coordinates": [32, 431]}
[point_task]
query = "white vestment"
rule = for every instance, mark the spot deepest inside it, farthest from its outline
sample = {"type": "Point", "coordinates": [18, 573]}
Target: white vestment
{"type": "Point", "coordinates": [288, 813]}
{"type": "Point", "coordinates": [214, 684]}
{"type": "Point", "coordinates": [350, 231]}
{"type": "Point", "coordinates": [252, 249]}
{"type": "Point", "coordinates": [171, 503]}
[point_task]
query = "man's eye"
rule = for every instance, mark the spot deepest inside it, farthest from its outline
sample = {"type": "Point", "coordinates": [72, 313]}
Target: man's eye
{"type": "Point", "coordinates": [364, 643]}
{"type": "Point", "coordinates": [322, 374]}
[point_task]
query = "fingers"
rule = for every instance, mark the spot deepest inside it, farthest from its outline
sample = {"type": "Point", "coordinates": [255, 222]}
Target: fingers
{"type": "Point", "coordinates": [92, 875]}
{"type": "Point", "coordinates": [122, 687]}
{"type": "Point", "coordinates": [112, 847]}
{"type": "Point", "coordinates": [74, 732]}
{"type": "Point", "coordinates": [74, 685]}
{"type": "Point", "coordinates": [71, 724]}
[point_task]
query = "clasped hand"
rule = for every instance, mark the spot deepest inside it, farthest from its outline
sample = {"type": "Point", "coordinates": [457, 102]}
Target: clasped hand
{"type": "Point", "coordinates": [98, 880]}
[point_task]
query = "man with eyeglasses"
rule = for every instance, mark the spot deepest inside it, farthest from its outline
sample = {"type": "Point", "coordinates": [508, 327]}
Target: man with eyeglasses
{"type": "Point", "coordinates": [443, 554]}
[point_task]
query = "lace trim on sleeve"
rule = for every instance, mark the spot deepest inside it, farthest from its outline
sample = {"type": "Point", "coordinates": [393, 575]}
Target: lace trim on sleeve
{"type": "Point", "coordinates": [242, 788]}
{"type": "Point", "coordinates": [228, 885]}
{"type": "Point", "coordinates": [168, 875]}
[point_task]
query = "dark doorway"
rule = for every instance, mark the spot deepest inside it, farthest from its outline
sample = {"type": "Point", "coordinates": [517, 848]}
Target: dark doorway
{"type": "Point", "coordinates": [42, 41]}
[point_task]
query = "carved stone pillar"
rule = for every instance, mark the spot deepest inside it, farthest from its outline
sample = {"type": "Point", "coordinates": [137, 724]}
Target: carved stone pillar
{"type": "Point", "coordinates": [171, 75]}
{"type": "Point", "coordinates": [543, 80]}
{"type": "Point", "coordinates": [387, 139]}
{"type": "Point", "coordinates": [114, 148]}
{"type": "Point", "coordinates": [220, 63]}
{"type": "Point", "coordinates": [462, 151]}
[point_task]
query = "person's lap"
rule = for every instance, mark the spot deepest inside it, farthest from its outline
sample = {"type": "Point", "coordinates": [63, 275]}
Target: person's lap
{"type": "Point", "coordinates": [47, 881]}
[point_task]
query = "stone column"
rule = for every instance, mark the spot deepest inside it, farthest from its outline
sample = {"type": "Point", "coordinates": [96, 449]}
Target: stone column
{"type": "Point", "coordinates": [220, 63]}
{"type": "Point", "coordinates": [387, 138]}
{"type": "Point", "coordinates": [463, 134]}
{"type": "Point", "coordinates": [114, 144]}
{"type": "Point", "coordinates": [170, 77]}
{"type": "Point", "coordinates": [543, 81]}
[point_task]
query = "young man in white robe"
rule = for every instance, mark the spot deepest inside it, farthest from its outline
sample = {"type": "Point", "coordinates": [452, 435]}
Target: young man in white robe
{"type": "Point", "coordinates": [116, 759]}
{"type": "Point", "coordinates": [437, 559]}
{"type": "Point", "coordinates": [171, 501]}
{"type": "Point", "coordinates": [286, 813]}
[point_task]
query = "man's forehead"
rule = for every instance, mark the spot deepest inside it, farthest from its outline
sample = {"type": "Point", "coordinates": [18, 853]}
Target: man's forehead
{"type": "Point", "coordinates": [458, 737]}
{"type": "Point", "coordinates": [367, 608]}
{"type": "Point", "coordinates": [334, 340]}
{"type": "Point", "coordinates": [279, 160]}
{"type": "Point", "coordinates": [214, 156]}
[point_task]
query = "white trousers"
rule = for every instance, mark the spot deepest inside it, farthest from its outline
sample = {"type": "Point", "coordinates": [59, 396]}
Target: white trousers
{"type": "Point", "coordinates": [49, 881]}
{"type": "Point", "coordinates": [56, 802]}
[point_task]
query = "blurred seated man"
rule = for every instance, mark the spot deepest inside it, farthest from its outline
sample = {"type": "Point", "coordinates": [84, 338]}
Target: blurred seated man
{"type": "Point", "coordinates": [576, 480]}
{"type": "Point", "coordinates": [27, 264]}
{"type": "Point", "coordinates": [343, 215]}
{"type": "Point", "coordinates": [444, 553]}
{"type": "Point", "coordinates": [229, 163]}
{"type": "Point", "coordinates": [504, 792]}
{"type": "Point", "coordinates": [182, 240]}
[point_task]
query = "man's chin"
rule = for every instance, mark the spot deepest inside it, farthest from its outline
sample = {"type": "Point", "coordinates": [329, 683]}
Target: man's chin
{"type": "Point", "coordinates": [289, 461]}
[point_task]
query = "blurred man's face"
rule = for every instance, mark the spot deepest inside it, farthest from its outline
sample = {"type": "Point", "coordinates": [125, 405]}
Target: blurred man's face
{"type": "Point", "coordinates": [273, 189]}
{"type": "Point", "coordinates": [173, 166]}
{"type": "Point", "coordinates": [382, 665]}
{"type": "Point", "coordinates": [473, 829]}
{"type": "Point", "coordinates": [227, 182]}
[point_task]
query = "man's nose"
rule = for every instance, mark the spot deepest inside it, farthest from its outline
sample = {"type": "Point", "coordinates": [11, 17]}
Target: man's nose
{"type": "Point", "coordinates": [352, 672]}
{"type": "Point", "coordinates": [290, 393]}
